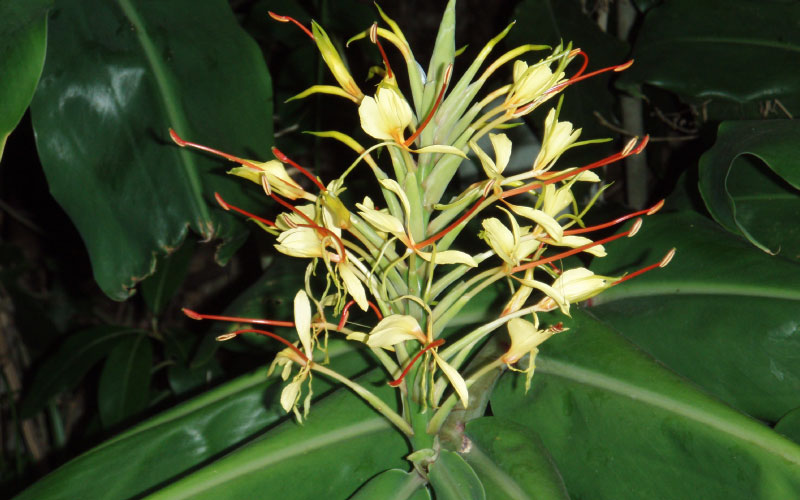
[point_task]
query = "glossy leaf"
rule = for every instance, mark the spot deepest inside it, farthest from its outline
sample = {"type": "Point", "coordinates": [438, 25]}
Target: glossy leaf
{"type": "Point", "coordinates": [182, 375]}
{"type": "Point", "coordinates": [120, 74]}
{"type": "Point", "coordinates": [789, 425]}
{"type": "Point", "coordinates": [77, 355]}
{"type": "Point", "coordinates": [621, 426]}
{"type": "Point", "coordinates": [731, 50]}
{"type": "Point", "coordinates": [394, 484]}
{"type": "Point", "coordinates": [339, 447]}
{"type": "Point", "coordinates": [158, 289]}
{"type": "Point", "coordinates": [751, 185]}
{"type": "Point", "coordinates": [23, 42]}
{"type": "Point", "coordinates": [723, 313]}
{"type": "Point", "coordinates": [125, 381]}
{"type": "Point", "coordinates": [163, 448]}
{"type": "Point", "coordinates": [511, 461]}
{"type": "Point", "coordinates": [453, 479]}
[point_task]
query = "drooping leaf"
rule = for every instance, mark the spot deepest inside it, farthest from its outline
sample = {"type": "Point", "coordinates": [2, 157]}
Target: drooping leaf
{"type": "Point", "coordinates": [751, 185]}
{"type": "Point", "coordinates": [124, 388]}
{"type": "Point", "coordinates": [620, 426]}
{"type": "Point", "coordinates": [453, 479]}
{"type": "Point", "coordinates": [23, 42]}
{"type": "Point", "coordinates": [117, 76]}
{"type": "Point", "coordinates": [340, 446]}
{"type": "Point", "coordinates": [394, 484]}
{"type": "Point", "coordinates": [722, 314]}
{"type": "Point", "coordinates": [165, 447]}
{"type": "Point", "coordinates": [511, 461]}
{"type": "Point", "coordinates": [158, 289]}
{"type": "Point", "coordinates": [731, 50]}
{"type": "Point", "coordinates": [77, 355]}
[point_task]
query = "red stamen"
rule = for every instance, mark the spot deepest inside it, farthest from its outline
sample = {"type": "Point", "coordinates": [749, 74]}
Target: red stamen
{"type": "Point", "coordinates": [227, 206]}
{"type": "Point", "coordinates": [439, 98]}
{"type": "Point", "coordinates": [285, 159]}
{"type": "Point", "coordinates": [373, 37]}
{"type": "Point", "coordinates": [375, 310]}
{"type": "Point", "coordinates": [228, 336]}
{"type": "Point", "coordinates": [578, 78]}
{"type": "Point", "coordinates": [647, 211]}
{"type": "Point", "coordinates": [627, 151]}
{"type": "Point", "coordinates": [630, 232]}
{"type": "Point", "coordinates": [399, 380]}
{"type": "Point", "coordinates": [235, 319]}
{"type": "Point", "coordinates": [452, 226]}
{"type": "Point", "coordinates": [579, 52]}
{"type": "Point", "coordinates": [662, 263]}
{"type": "Point", "coordinates": [346, 313]}
{"type": "Point", "coordinates": [287, 19]}
{"type": "Point", "coordinates": [180, 142]}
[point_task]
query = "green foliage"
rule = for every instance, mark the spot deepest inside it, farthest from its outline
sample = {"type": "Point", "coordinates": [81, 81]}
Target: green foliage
{"type": "Point", "coordinates": [681, 383]}
{"type": "Point", "coordinates": [122, 74]}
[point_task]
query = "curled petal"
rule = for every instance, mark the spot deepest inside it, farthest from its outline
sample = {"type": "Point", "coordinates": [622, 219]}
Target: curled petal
{"type": "Point", "coordinates": [394, 329]}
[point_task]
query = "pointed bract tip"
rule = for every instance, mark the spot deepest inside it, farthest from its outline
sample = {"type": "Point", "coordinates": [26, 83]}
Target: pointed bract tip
{"type": "Point", "coordinates": [191, 313]}
{"type": "Point", "coordinates": [221, 202]}
{"type": "Point", "coordinates": [667, 258]}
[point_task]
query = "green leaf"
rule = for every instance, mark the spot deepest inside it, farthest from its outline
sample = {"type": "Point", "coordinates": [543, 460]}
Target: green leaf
{"type": "Point", "coordinates": [621, 426]}
{"type": "Point", "coordinates": [117, 76]}
{"type": "Point", "coordinates": [747, 198]}
{"type": "Point", "coordinates": [789, 425]}
{"type": "Point", "coordinates": [722, 313]}
{"type": "Point", "coordinates": [340, 446]}
{"type": "Point", "coordinates": [394, 484]}
{"type": "Point", "coordinates": [158, 289]}
{"type": "Point", "coordinates": [66, 368]}
{"type": "Point", "coordinates": [163, 448]}
{"type": "Point", "coordinates": [453, 479]}
{"type": "Point", "coordinates": [182, 375]}
{"type": "Point", "coordinates": [511, 461]}
{"type": "Point", "coordinates": [23, 43]}
{"type": "Point", "coordinates": [125, 381]}
{"type": "Point", "coordinates": [732, 50]}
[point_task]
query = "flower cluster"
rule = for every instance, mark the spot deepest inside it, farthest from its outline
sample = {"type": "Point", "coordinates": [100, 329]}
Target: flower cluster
{"type": "Point", "coordinates": [397, 256]}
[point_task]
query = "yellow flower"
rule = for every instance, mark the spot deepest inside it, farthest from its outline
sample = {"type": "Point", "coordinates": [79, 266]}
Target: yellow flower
{"type": "Point", "coordinates": [509, 244]}
{"type": "Point", "coordinates": [525, 339]}
{"type": "Point", "coordinates": [578, 284]}
{"type": "Point", "coordinates": [558, 137]}
{"type": "Point", "coordinates": [278, 179]}
{"type": "Point", "coordinates": [385, 116]}
{"type": "Point", "coordinates": [530, 83]}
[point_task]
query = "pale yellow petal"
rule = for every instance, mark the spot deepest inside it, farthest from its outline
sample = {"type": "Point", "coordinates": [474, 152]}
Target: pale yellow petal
{"type": "Point", "coordinates": [300, 242]}
{"type": "Point", "coordinates": [290, 394]}
{"type": "Point", "coordinates": [455, 378]}
{"type": "Point", "coordinates": [449, 257]}
{"type": "Point", "coordinates": [302, 321]}
{"type": "Point", "coordinates": [353, 285]}
{"type": "Point", "coordinates": [502, 150]}
{"type": "Point", "coordinates": [394, 329]}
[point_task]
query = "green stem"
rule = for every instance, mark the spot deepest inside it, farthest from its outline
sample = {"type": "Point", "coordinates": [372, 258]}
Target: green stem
{"type": "Point", "coordinates": [438, 419]}
{"type": "Point", "coordinates": [369, 397]}
{"type": "Point", "coordinates": [457, 298]}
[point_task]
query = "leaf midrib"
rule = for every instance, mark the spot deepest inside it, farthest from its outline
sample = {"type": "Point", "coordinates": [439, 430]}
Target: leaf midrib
{"type": "Point", "coordinates": [748, 431]}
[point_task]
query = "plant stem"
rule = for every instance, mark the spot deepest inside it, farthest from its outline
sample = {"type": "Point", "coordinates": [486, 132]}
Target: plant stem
{"type": "Point", "coordinates": [435, 423]}
{"type": "Point", "coordinates": [369, 397]}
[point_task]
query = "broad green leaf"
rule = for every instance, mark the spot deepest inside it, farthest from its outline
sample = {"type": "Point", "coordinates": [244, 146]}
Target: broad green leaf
{"type": "Point", "coordinates": [620, 426]}
{"type": "Point", "coordinates": [789, 425]}
{"type": "Point", "coordinates": [511, 461]}
{"type": "Point", "coordinates": [117, 76]}
{"type": "Point", "coordinates": [158, 289]}
{"type": "Point", "coordinates": [165, 447]}
{"type": "Point", "coordinates": [340, 446]}
{"type": "Point", "coordinates": [124, 388]}
{"type": "Point", "coordinates": [23, 43]}
{"type": "Point", "coordinates": [722, 314]}
{"type": "Point", "coordinates": [77, 355]}
{"type": "Point", "coordinates": [182, 375]}
{"type": "Point", "coordinates": [394, 484]}
{"type": "Point", "coordinates": [732, 50]}
{"type": "Point", "coordinates": [453, 479]}
{"type": "Point", "coordinates": [751, 185]}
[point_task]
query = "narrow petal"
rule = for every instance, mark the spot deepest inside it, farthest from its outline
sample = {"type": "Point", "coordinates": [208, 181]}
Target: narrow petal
{"type": "Point", "coordinates": [353, 285]}
{"type": "Point", "coordinates": [455, 378]}
{"type": "Point", "coordinates": [302, 321]}
{"type": "Point", "coordinates": [449, 257]}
